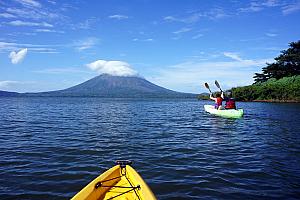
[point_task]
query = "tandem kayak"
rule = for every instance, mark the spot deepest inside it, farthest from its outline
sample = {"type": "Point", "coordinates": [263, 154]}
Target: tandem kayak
{"type": "Point", "coordinates": [231, 113]}
{"type": "Point", "coordinates": [119, 182]}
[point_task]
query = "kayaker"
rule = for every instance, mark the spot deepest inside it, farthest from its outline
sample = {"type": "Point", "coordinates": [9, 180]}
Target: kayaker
{"type": "Point", "coordinates": [218, 100]}
{"type": "Point", "coordinates": [229, 101]}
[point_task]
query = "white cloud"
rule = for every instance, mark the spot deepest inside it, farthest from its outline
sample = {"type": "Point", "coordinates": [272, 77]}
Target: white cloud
{"type": "Point", "coordinates": [52, 2]}
{"type": "Point", "coordinates": [4, 85]}
{"type": "Point", "coordinates": [37, 48]}
{"type": "Point", "coordinates": [118, 17]}
{"type": "Point", "coordinates": [271, 3]}
{"type": "Point", "coordinates": [48, 31]}
{"type": "Point", "coordinates": [271, 34]}
{"type": "Point", "coordinates": [86, 24]}
{"type": "Point", "coordinates": [143, 40]}
{"type": "Point", "coordinates": [212, 14]}
{"type": "Point", "coordinates": [285, 6]}
{"type": "Point", "coordinates": [86, 43]}
{"type": "Point", "coordinates": [190, 76]}
{"type": "Point", "coordinates": [216, 13]}
{"type": "Point", "coordinates": [183, 30]}
{"type": "Point", "coordinates": [288, 9]}
{"type": "Point", "coordinates": [170, 18]}
{"type": "Point", "coordinates": [188, 19]}
{"type": "Point", "coordinates": [29, 3]}
{"type": "Point", "coordinates": [197, 36]}
{"type": "Point", "coordinates": [149, 40]}
{"type": "Point", "coordinates": [7, 46]}
{"type": "Point", "coordinates": [7, 15]}
{"type": "Point", "coordinates": [17, 57]}
{"type": "Point", "coordinates": [232, 55]}
{"type": "Point", "coordinates": [115, 68]}
{"type": "Point", "coordinates": [254, 7]}
{"type": "Point", "coordinates": [34, 13]}
{"type": "Point", "coordinates": [23, 23]}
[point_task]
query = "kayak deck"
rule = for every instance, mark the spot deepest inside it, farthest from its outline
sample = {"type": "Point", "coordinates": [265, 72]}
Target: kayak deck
{"type": "Point", "coordinates": [123, 189]}
{"type": "Point", "coordinates": [231, 113]}
{"type": "Point", "coordinates": [119, 182]}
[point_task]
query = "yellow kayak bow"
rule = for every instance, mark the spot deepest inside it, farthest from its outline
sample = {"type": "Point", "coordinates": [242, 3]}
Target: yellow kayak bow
{"type": "Point", "coordinates": [119, 182]}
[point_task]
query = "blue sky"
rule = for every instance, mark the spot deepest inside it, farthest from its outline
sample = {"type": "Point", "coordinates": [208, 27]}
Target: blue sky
{"type": "Point", "coordinates": [50, 44]}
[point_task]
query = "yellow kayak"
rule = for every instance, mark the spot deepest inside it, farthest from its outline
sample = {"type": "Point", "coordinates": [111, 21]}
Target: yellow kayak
{"type": "Point", "coordinates": [119, 182]}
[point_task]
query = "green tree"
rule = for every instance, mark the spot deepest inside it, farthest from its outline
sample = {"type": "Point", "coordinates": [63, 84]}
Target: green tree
{"type": "Point", "coordinates": [286, 64]}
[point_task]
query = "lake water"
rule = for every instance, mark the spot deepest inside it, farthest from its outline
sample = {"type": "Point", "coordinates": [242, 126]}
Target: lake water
{"type": "Point", "coordinates": [52, 147]}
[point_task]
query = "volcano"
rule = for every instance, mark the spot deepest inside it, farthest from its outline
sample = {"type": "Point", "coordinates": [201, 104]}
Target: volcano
{"type": "Point", "coordinates": [115, 87]}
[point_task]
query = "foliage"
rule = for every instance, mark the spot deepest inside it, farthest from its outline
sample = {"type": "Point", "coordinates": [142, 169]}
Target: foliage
{"type": "Point", "coordinates": [203, 96]}
{"type": "Point", "coordinates": [286, 64]}
{"type": "Point", "coordinates": [284, 89]}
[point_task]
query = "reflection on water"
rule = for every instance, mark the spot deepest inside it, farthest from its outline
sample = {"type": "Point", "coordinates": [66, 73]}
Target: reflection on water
{"type": "Point", "coordinates": [52, 147]}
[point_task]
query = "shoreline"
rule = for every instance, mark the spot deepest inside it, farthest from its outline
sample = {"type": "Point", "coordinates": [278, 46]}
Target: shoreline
{"type": "Point", "coordinates": [276, 101]}
{"type": "Point", "coordinates": [266, 101]}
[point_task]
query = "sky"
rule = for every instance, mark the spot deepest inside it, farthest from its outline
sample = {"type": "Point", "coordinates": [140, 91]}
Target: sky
{"type": "Point", "coordinates": [55, 44]}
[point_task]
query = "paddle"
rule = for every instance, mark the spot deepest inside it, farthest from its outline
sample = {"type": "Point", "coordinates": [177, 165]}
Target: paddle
{"type": "Point", "coordinates": [207, 86]}
{"type": "Point", "coordinates": [218, 85]}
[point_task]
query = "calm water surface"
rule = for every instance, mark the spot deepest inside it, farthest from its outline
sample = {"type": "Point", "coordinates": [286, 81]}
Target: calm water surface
{"type": "Point", "coordinates": [52, 147]}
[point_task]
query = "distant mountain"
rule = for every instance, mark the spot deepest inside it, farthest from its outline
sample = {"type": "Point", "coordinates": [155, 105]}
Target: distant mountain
{"type": "Point", "coordinates": [116, 87]}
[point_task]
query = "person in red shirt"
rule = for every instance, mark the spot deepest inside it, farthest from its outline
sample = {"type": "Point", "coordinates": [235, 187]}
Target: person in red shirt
{"type": "Point", "coordinates": [218, 100]}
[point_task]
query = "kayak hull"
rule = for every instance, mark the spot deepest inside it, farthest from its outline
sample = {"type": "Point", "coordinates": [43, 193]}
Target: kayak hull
{"type": "Point", "coordinates": [119, 182]}
{"type": "Point", "coordinates": [231, 113]}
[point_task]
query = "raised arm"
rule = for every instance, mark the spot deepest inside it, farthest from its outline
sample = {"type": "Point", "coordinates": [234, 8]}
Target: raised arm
{"type": "Point", "coordinates": [211, 97]}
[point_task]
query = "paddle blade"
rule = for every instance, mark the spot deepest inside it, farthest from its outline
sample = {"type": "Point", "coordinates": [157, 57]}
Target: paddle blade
{"type": "Point", "coordinates": [206, 85]}
{"type": "Point", "coordinates": [217, 84]}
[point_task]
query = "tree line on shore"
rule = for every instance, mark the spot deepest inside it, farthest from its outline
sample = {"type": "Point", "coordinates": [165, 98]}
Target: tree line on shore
{"type": "Point", "coordinates": [285, 89]}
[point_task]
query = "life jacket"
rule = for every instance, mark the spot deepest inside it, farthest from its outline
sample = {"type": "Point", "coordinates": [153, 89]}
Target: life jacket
{"type": "Point", "coordinates": [219, 101]}
{"type": "Point", "coordinates": [230, 104]}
